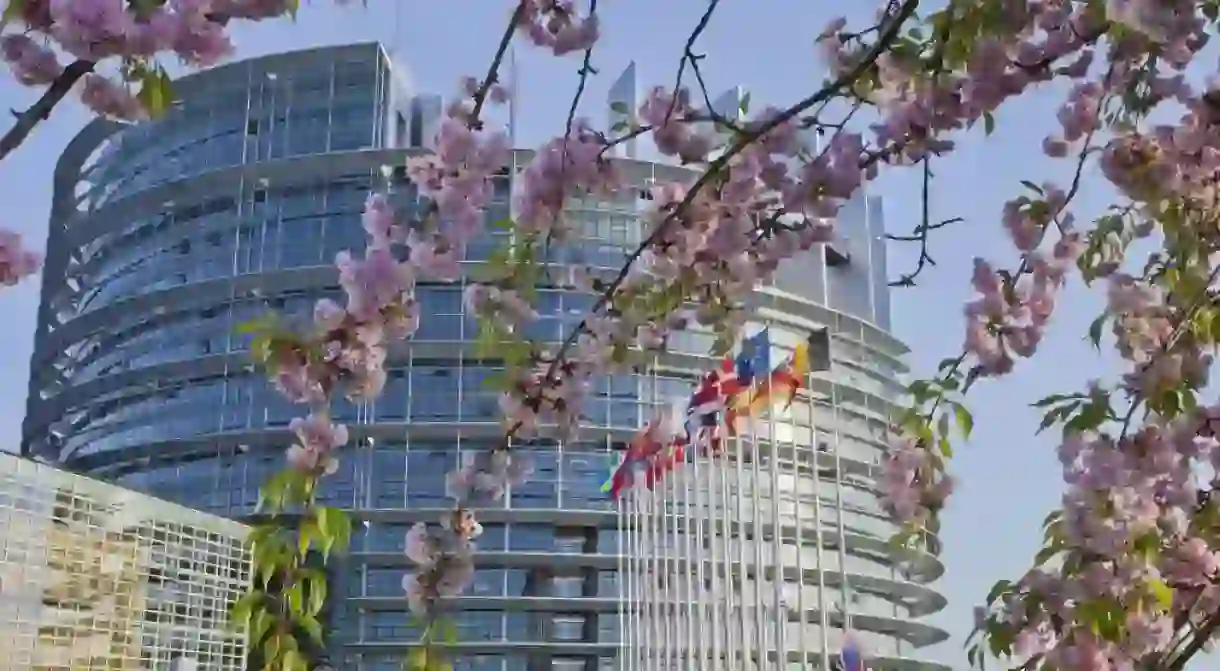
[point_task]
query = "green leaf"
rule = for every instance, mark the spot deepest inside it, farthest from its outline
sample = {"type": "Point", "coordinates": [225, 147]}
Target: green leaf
{"type": "Point", "coordinates": [1045, 554]}
{"type": "Point", "coordinates": [947, 365]}
{"type": "Point", "coordinates": [312, 627]}
{"type": "Point", "coordinates": [260, 624]}
{"type": "Point", "coordinates": [998, 590]}
{"type": "Point", "coordinates": [317, 594]}
{"type": "Point", "coordinates": [942, 424]}
{"type": "Point", "coordinates": [13, 10]}
{"type": "Point", "coordinates": [272, 647]}
{"type": "Point", "coordinates": [293, 660]}
{"type": "Point", "coordinates": [946, 448]}
{"type": "Point", "coordinates": [295, 596]}
{"type": "Point", "coordinates": [745, 103]}
{"type": "Point", "coordinates": [155, 92]}
{"type": "Point", "coordinates": [619, 107]}
{"type": "Point", "coordinates": [244, 608]}
{"type": "Point", "coordinates": [988, 123]}
{"type": "Point", "coordinates": [335, 527]}
{"type": "Point", "coordinates": [1032, 187]}
{"type": "Point", "coordinates": [417, 659]}
{"type": "Point", "coordinates": [306, 535]}
{"type": "Point", "coordinates": [1095, 331]}
{"type": "Point", "coordinates": [1050, 400]}
{"type": "Point", "coordinates": [965, 421]}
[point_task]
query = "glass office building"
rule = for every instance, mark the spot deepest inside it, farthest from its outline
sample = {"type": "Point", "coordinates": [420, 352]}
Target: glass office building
{"type": "Point", "coordinates": [165, 236]}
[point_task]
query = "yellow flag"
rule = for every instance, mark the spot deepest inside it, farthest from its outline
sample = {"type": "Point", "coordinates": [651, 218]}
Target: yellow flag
{"type": "Point", "coordinates": [800, 360]}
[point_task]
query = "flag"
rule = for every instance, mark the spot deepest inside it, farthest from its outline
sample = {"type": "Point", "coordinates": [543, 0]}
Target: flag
{"type": "Point", "coordinates": [783, 382]}
{"type": "Point", "coordinates": [643, 447]}
{"type": "Point", "coordinates": [609, 483]}
{"type": "Point", "coordinates": [754, 358]}
{"type": "Point", "coordinates": [850, 656]}
{"type": "Point", "coordinates": [664, 462]}
{"type": "Point", "coordinates": [787, 379]}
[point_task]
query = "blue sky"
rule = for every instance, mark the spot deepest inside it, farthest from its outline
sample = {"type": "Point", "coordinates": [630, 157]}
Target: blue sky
{"type": "Point", "coordinates": [1010, 478]}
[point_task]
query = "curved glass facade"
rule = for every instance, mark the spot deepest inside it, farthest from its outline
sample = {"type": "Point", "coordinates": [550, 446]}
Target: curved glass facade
{"type": "Point", "coordinates": [166, 236]}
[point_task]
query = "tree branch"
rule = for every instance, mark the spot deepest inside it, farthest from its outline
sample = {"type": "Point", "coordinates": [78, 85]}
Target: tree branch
{"type": "Point", "coordinates": [492, 76]}
{"type": "Point", "coordinates": [42, 108]}
{"type": "Point", "coordinates": [920, 234]}
{"type": "Point", "coordinates": [691, 39]}
{"type": "Point", "coordinates": [716, 167]}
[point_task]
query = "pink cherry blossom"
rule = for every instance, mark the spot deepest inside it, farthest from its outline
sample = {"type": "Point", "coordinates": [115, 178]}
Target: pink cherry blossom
{"type": "Point", "coordinates": [110, 99]}
{"type": "Point", "coordinates": [16, 262]}
{"type": "Point", "coordinates": [33, 64]}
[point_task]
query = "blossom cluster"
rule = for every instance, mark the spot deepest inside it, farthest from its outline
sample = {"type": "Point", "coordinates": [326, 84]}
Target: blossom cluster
{"type": "Point", "coordinates": [195, 31]}
{"type": "Point", "coordinates": [16, 262]}
{"type": "Point", "coordinates": [1134, 557]}
{"type": "Point", "coordinates": [350, 343]}
{"type": "Point", "coordinates": [1128, 574]}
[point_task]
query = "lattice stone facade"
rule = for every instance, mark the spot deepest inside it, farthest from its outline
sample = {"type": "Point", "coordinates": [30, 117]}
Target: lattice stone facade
{"type": "Point", "coordinates": [98, 578]}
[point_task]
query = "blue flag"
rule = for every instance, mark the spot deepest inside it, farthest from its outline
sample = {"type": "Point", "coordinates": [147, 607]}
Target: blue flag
{"type": "Point", "coordinates": [755, 358]}
{"type": "Point", "coordinates": [850, 655]}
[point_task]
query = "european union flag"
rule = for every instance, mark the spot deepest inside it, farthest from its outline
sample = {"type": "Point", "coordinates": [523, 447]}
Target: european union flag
{"type": "Point", "coordinates": [755, 358]}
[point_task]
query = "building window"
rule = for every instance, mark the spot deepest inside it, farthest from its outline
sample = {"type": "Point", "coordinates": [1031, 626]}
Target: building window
{"type": "Point", "coordinates": [401, 129]}
{"type": "Point", "coordinates": [252, 127]}
{"type": "Point", "coordinates": [568, 628]}
{"type": "Point", "coordinates": [569, 587]}
{"type": "Point", "coordinates": [417, 127]}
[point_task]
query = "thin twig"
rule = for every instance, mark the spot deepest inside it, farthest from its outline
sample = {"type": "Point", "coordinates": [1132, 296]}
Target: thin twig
{"type": "Point", "coordinates": [691, 40]}
{"type": "Point", "coordinates": [718, 165]}
{"type": "Point", "coordinates": [920, 234]}
{"type": "Point", "coordinates": [492, 76]}
{"type": "Point", "coordinates": [586, 69]}
{"type": "Point", "coordinates": [42, 108]}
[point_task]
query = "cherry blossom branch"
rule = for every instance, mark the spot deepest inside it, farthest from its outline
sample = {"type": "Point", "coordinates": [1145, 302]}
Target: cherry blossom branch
{"type": "Point", "coordinates": [42, 108]}
{"type": "Point", "coordinates": [920, 234]}
{"type": "Point", "coordinates": [586, 69]}
{"type": "Point", "coordinates": [492, 77]}
{"type": "Point", "coordinates": [1203, 635]}
{"type": "Point", "coordinates": [1026, 266]}
{"type": "Point", "coordinates": [687, 51]}
{"type": "Point", "coordinates": [714, 169]}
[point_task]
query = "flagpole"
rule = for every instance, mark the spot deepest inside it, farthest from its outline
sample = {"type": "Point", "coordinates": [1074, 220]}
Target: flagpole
{"type": "Point", "coordinates": [844, 587]}
{"type": "Point", "coordinates": [665, 547]}
{"type": "Point", "coordinates": [653, 580]}
{"type": "Point", "coordinates": [637, 587]}
{"type": "Point", "coordinates": [746, 648]}
{"type": "Point", "coordinates": [691, 606]}
{"type": "Point", "coordinates": [622, 583]}
{"type": "Point", "coordinates": [723, 531]}
{"type": "Point", "coordinates": [777, 560]}
{"type": "Point", "coordinates": [823, 616]}
{"type": "Point", "coordinates": [705, 533]}
{"type": "Point", "coordinates": [798, 436]}
{"type": "Point", "coordinates": [669, 522]}
{"type": "Point", "coordinates": [695, 646]}
{"type": "Point", "coordinates": [760, 631]}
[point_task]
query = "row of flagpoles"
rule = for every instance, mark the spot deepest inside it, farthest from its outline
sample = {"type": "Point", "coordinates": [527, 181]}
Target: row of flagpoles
{"type": "Point", "coordinates": [742, 387]}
